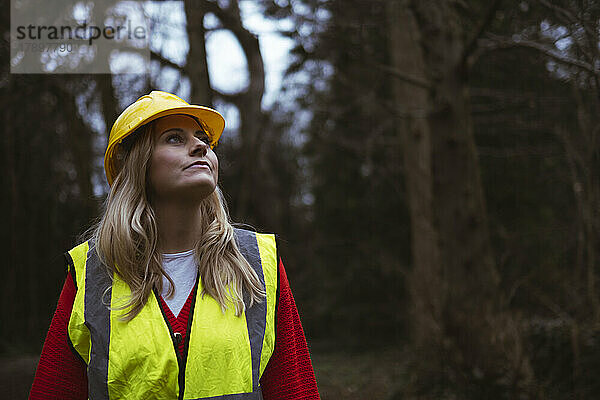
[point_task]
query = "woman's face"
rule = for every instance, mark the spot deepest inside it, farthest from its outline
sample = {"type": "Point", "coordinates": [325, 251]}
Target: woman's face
{"type": "Point", "coordinates": [182, 165]}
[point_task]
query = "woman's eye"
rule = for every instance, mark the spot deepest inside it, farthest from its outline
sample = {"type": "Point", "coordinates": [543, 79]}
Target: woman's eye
{"type": "Point", "coordinates": [204, 138]}
{"type": "Point", "coordinates": [174, 138]}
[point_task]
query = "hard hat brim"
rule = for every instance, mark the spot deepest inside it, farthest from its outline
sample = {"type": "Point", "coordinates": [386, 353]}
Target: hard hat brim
{"type": "Point", "coordinates": [211, 118]}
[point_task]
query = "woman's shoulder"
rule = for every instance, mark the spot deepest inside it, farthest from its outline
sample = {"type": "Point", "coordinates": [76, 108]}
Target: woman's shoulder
{"type": "Point", "coordinates": [245, 233]}
{"type": "Point", "coordinates": [79, 252]}
{"type": "Point", "coordinates": [249, 229]}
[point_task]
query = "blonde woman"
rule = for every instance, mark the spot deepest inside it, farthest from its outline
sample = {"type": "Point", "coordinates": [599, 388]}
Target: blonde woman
{"type": "Point", "coordinates": [167, 300]}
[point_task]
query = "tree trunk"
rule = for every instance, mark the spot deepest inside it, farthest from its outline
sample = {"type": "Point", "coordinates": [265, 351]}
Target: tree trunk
{"type": "Point", "coordinates": [196, 67]}
{"type": "Point", "coordinates": [469, 340]}
{"type": "Point", "coordinates": [109, 101]}
{"type": "Point", "coordinates": [10, 279]}
{"type": "Point", "coordinates": [248, 104]}
{"type": "Point", "coordinates": [425, 284]}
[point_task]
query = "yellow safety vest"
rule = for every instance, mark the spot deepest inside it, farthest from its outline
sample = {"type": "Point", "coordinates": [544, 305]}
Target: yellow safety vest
{"type": "Point", "coordinates": [224, 355]}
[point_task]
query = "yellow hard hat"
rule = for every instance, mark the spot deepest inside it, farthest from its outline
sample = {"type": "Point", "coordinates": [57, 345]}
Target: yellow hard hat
{"type": "Point", "coordinates": [150, 107]}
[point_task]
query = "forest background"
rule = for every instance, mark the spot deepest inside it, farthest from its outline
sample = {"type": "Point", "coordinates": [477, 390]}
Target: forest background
{"type": "Point", "coordinates": [431, 166]}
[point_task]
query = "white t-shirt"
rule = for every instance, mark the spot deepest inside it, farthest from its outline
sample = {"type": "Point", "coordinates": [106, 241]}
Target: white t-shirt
{"type": "Point", "coordinates": [182, 269]}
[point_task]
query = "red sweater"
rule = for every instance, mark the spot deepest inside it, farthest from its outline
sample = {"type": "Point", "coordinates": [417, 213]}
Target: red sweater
{"type": "Point", "coordinates": [289, 374]}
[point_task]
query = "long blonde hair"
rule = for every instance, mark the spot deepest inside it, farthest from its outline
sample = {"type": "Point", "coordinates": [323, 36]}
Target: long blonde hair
{"type": "Point", "coordinates": [127, 238]}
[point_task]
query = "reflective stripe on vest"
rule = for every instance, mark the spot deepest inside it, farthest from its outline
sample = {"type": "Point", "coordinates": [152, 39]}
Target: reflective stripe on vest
{"type": "Point", "coordinates": [225, 355]}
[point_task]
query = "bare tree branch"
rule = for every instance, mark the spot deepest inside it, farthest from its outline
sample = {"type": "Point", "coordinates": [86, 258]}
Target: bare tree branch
{"type": "Point", "coordinates": [499, 42]}
{"type": "Point", "coordinates": [165, 61]}
{"type": "Point", "coordinates": [566, 15]}
{"type": "Point", "coordinates": [485, 22]}
{"type": "Point", "coordinates": [230, 98]}
{"type": "Point", "coordinates": [403, 77]}
{"type": "Point", "coordinates": [231, 20]}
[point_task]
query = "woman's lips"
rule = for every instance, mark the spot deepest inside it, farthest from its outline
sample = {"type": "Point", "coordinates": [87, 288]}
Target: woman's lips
{"type": "Point", "coordinates": [199, 164]}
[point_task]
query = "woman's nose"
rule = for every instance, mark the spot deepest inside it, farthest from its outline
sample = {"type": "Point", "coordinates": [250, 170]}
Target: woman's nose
{"type": "Point", "coordinates": [199, 147]}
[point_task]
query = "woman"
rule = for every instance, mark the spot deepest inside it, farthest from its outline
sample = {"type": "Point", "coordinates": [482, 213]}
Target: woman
{"type": "Point", "coordinates": [166, 299]}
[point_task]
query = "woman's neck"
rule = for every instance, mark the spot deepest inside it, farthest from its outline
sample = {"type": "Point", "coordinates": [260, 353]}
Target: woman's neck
{"type": "Point", "coordinates": [179, 226]}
